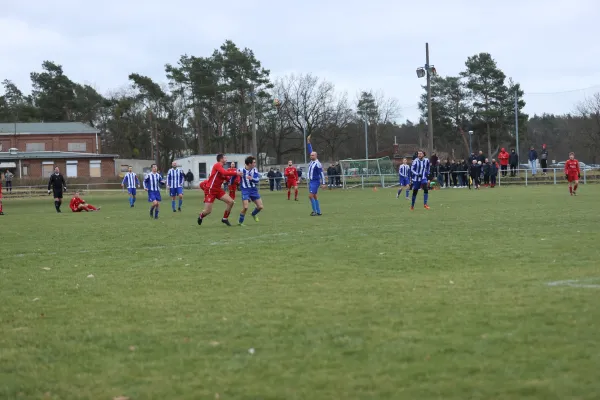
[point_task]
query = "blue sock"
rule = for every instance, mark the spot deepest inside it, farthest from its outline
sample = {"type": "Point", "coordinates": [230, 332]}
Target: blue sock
{"type": "Point", "coordinates": [180, 202]}
{"type": "Point", "coordinates": [317, 206]}
{"type": "Point", "coordinates": [131, 201]}
{"type": "Point", "coordinates": [255, 211]}
{"type": "Point", "coordinates": [156, 212]}
{"type": "Point", "coordinates": [407, 192]}
{"type": "Point", "coordinates": [312, 203]}
{"type": "Point", "coordinates": [425, 197]}
{"type": "Point", "coordinates": [173, 204]}
{"type": "Point", "coordinates": [414, 197]}
{"type": "Point", "coordinates": [399, 191]}
{"type": "Point", "coordinates": [241, 220]}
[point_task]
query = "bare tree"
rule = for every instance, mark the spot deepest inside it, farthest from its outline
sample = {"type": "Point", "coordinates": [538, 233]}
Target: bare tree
{"type": "Point", "coordinates": [337, 129]}
{"type": "Point", "coordinates": [589, 109]}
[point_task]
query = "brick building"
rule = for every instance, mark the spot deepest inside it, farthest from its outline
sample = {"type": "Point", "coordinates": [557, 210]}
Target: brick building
{"type": "Point", "coordinates": [33, 149]}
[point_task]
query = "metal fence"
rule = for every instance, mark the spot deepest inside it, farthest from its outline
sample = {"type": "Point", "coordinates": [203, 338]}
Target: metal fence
{"type": "Point", "coordinates": [523, 177]}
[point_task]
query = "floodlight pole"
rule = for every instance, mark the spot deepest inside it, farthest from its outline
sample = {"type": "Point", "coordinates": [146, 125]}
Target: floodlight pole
{"type": "Point", "coordinates": [429, 111]}
{"type": "Point", "coordinates": [304, 134]}
{"type": "Point", "coordinates": [517, 120]}
{"type": "Point", "coordinates": [366, 138]}
{"type": "Point", "coordinates": [254, 139]}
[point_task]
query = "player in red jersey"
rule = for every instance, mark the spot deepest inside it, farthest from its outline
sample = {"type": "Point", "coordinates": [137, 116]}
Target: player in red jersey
{"type": "Point", "coordinates": [1, 212]}
{"type": "Point", "coordinates": [78, 204]}
{"type": "Point", "coordinates": [213, 190]}
{"type": "Point", "coordinates": [573, 173]}
{"type": "Point", "coordinates": [234, 181]}
{"type": "Point", "coordinates": [291, 173]}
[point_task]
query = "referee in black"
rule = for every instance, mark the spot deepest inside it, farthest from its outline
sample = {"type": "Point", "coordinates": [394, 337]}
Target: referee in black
{"type": "Point", "coordinates": [57, 184]}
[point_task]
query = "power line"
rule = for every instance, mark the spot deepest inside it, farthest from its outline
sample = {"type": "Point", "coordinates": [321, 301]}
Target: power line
{"type": "Point", "coordinates": [564, 91]}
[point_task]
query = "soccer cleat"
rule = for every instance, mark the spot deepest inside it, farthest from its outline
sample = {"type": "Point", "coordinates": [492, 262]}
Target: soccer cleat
{"type": "Point", "coordinates": [312, 214]}
{"type": "Point", "coordinates": [199, 220]}
{"type": "Point", "coordinates": [156, 217]}
{"type": "Point", "coordinates": [412, 208]}
{"type": "Point", "coordinates": [174, 210]}
{"type": "Point", "coordinates": [319, 214]}
{"type": "Point", "coordinates": [255, 218]}
{"type": "Point", "coordinates": [295, 199]}
{"type": "Point", "coordinates": [426, 207]}
{"type": "Point", "coordinates": [574, 193]}
{"type": "Point", "coordinates": [131, 205]}
{"type": "Point", "coordinates": [1, 213]}
{"type": "Point", "coordinates": [225, 221]}
{"type": "Point", "coordinates": [179, 209]}
{"type": "Point", "coordinates": [241, 224]}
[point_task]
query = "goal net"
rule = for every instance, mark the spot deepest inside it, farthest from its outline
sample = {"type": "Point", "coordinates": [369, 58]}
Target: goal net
{"type": "Point", "coordinates": [367, 172]}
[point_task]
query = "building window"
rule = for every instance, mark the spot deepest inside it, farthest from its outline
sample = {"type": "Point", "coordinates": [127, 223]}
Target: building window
{"type": "Point", "coordinates": [47, 168]}
{"type": "Point", "coordinates": [95, 168]}
{"type": "Point", "coordinates": [72, 169]}
{"type": "Point", "coordinates": [25, 170]}
{"type": "Point", "coordinates": [35, 147]}
{"type": "Point", "coordinates": [76, 147]}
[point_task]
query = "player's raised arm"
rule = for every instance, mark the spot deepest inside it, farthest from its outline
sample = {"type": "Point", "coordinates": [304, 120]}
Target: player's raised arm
{"type": "Point", "coordinates": [225, 172]}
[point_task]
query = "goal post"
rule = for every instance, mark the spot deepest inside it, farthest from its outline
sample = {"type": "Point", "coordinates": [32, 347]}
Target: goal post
{"type": "Point", "coordinates": [367, 172]}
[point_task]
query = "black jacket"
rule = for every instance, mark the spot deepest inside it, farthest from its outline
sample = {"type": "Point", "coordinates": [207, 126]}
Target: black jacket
{"type": "Point", "coordinates": [57, 183]}
{"type": "Point", "coordinates": [513, 159]}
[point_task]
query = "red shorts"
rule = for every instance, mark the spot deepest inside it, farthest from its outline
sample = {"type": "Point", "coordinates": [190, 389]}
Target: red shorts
{"type": "Point", "coordinates": [76, 209]}
{"type": "Point", "coordinates": [292, 183]}
{"type": "Point", "coordinates": [212, 194]}
{"type": "Point", "coordinates": [572, 177]}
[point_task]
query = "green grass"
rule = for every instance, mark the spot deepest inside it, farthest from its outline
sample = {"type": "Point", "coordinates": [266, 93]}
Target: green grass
{"type": "Point", "coordinates": [368, 301]}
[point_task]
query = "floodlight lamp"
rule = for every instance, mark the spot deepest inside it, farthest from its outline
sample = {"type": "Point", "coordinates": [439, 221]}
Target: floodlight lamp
{"type": "Point", "coordinates": [420, 72]}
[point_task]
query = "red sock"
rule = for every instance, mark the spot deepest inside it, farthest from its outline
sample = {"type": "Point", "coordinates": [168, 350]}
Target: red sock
{"type": "Point", "coordinates": [296, 193]}
{"type": "Point", "coordinates": [226, 214]}
{"type": "Point", "coordinates": [570, 189]}
{"type": "Point", "coordinates": [289, 192]}
{"type": "Point", "coordinates": [91, 208]}
{"type": "Point", "coordinates": [0, 206]}
{"type": "Point", "coordinates": [575, 188]}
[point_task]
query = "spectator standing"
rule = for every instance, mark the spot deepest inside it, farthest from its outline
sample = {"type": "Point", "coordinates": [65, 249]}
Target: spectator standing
{"type": "Point", "coordinates": [486, 172]}
{"type": "Point", "coordinates": [544, 159]}
{"type": "Point", "coordinates": [271, 176]}
{"type": "Point", "coordinates": [533, 157]}
{"type": "Point", "coordinates": [189, 177]}
{"type": "Point", "coordinates": [331, 176]}
{"type": "Point", "coordinates": [513, 160]}
{"type": "Point", "coordinates": [493, 172]}
{"type": "Point", "coordinates": [8, 177]}
{"type": "Point", "coordinates": [338, 174]}
{"type": "Point", "coordinates": [278, 176]}
{"type": "Point", "coordinates": [503, 157]}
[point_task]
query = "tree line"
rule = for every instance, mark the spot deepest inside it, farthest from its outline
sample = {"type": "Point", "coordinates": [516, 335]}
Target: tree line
{"type": "Point", "coordinates": [205, 105]}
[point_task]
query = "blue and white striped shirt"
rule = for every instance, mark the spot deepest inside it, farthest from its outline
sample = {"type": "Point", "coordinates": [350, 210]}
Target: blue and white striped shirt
{"type": "Point", "coordinates": [249, 179]}
{"type": "Point", "coordinates": [175, 178]}
{"type": "Point", "coordinates": [315, 169]}
{"type": "Point", "coordinates": [404, 171]}
{"type": "Point", "coordinates": [130, 180]}
{"type": "Point", "coordinates": [152, 181]}
{"type": "Point", "coordinates": [420, 169]}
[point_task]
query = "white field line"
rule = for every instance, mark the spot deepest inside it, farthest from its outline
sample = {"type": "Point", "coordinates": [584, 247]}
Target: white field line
{"type": "Point", "coordinates": [579, 283]}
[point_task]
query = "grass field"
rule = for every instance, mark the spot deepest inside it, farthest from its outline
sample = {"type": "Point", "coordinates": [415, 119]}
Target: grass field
{"type": "Point", "coordinates": [368, 301]}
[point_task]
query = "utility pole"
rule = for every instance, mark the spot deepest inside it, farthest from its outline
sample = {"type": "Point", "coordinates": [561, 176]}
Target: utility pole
{"type": "Point", "coordinates": [366, 137]}
{"type": "Point", "coordinates": [254, 140]}
{"type": "Point", "coordinates": [429, 111]}
{"type": "Point", "coordinates": [517, 120]}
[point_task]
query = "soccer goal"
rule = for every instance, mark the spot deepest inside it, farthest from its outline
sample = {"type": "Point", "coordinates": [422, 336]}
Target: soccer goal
{"type": "Point", "coordinates": [367, 172]}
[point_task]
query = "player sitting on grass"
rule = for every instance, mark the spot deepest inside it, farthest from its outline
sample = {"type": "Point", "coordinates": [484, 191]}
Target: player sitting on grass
{"type": "Point", "coordinates": [78, 204]}
{"type": "Point", "coordinates": [249, 185]}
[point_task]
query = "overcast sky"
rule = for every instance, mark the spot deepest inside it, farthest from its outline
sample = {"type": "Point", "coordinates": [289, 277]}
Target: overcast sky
{"type": "Point", "coordinates": [547, 46]}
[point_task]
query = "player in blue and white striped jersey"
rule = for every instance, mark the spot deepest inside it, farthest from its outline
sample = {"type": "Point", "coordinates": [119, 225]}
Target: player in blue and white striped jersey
{"type": "Point", "coordinates": [175, 179]}
{"type": "Point", "coordinates": [249, 181]}
{"type": "Point", "coordinates": [152, 183]}
{"type": "Point", "coordinates": [316, 178]}
{"type": "Point", "coordinates": [404, 177]}
{"type": "Point", "coordinates": [420, 171]}
{"type": "Point", "coordinates": [131, 180]}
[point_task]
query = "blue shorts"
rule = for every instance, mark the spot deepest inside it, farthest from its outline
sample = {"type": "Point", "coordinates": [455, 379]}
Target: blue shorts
{"type": "Point", "coordinates": [313, 186]}
{"type": "Point", "coordinates": [153, 195]}
{"type": "Point", "coordinates": [175, 191]}
{"type": "Point", "coordinates": [132, 191]}
{"type": "Point", "coordinates": [418, 185]}
{"type": "Point", "coordinates": [404, 181]}
{"type": "Point", "coordinates": [250, 194]}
